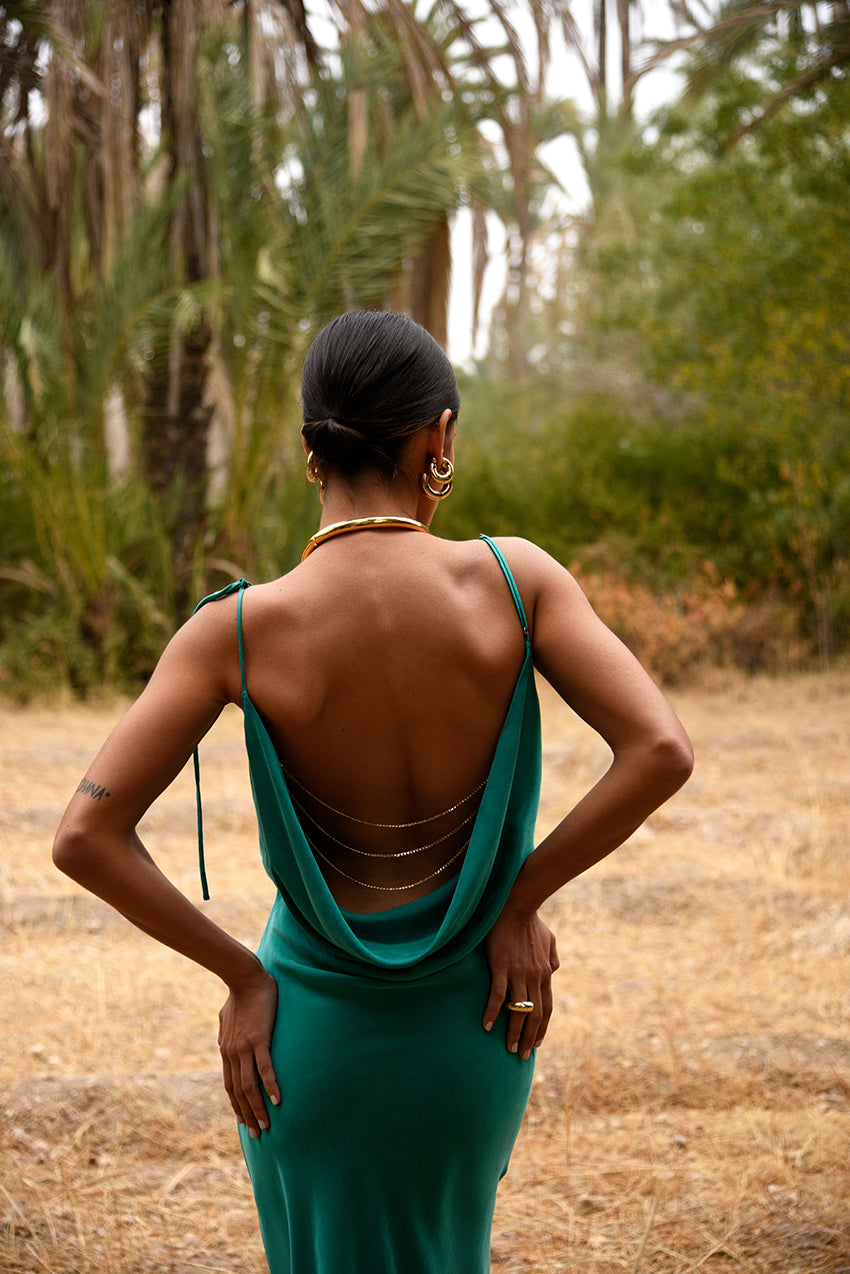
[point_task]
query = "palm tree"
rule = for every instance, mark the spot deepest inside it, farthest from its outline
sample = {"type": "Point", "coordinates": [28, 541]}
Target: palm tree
{"type": "Point", "coordinates": [805, 44]}
{"type": "Point", "coordinates": [185, 189]}
{"type": "Point", "coordinates": [96, 100]}
{"type": "Point", "coordinates": [288, 235]}
{"type": "Point", "coordinates": [297, 249]}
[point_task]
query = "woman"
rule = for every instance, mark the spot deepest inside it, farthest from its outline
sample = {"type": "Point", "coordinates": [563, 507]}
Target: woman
{"type": "Point", "coordinates": [378, 1050]}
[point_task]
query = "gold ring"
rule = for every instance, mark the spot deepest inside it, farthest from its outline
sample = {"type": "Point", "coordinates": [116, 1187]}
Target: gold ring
{"type": "Point", "coordinates": [520, 1006]}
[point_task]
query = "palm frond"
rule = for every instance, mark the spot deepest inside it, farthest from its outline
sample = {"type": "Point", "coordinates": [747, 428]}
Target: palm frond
{"type": "Point", "coordinates": [743, 29]}
{"type": "Point", "coordinates": [349, 235]}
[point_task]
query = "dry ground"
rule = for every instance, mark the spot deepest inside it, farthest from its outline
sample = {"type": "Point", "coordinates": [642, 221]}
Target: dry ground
{"type": "Point", "coordinates": [690, 1105]}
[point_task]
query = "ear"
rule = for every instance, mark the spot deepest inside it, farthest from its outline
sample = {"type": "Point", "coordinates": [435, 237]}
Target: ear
{"type": "Point", "coordinates": [442, 438]}
{"type": "Point", "coordinates": [305, 444]}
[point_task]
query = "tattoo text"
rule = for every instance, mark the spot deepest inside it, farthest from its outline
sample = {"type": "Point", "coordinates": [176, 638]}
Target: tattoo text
{"type": "Point", "coordinates": [87, 788]}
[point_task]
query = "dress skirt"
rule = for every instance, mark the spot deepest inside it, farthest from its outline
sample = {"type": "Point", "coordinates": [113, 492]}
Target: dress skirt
{"type": "Point", "coordinates": [398, 1111]}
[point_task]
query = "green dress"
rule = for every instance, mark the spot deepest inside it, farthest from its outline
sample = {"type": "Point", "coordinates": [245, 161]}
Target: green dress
{"type": "Point", "coordinates": [399, 1112]}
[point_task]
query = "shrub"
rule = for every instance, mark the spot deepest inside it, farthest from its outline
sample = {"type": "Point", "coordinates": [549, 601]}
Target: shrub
{"type": "Point", "coordinates": [702, 623]}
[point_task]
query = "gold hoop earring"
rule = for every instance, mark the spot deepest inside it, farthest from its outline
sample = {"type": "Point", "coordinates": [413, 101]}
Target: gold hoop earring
{"type": "Point", "coordinates": [313, 474]}
{"type": "Point", "coordinates": [436, 473]}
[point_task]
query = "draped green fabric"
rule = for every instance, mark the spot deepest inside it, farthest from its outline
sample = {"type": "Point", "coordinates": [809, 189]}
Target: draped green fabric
{"type": "Point", "coordinates": [399, 1111]}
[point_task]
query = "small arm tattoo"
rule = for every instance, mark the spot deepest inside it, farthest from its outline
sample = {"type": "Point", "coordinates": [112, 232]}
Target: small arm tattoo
{"type": "Point", "coordinates": [87, 788]}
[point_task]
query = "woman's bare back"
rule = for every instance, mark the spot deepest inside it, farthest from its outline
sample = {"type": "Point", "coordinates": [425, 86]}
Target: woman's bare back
{"type": "Point", "coordinates": [383, 668]}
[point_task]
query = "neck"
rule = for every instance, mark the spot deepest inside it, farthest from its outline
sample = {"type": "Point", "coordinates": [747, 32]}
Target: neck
{"type": "Point", "coordinates": [383, 522]}
{"type": "Point", "coordinates": [343, 502]}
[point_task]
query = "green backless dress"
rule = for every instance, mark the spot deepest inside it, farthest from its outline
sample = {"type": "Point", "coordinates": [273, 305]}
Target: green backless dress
{"type": "Point", "coordinates": [399, 1112]}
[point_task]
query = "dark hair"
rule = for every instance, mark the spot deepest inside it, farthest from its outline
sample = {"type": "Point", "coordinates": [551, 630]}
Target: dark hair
{"type": "Point", "coordinates": [370, 381]}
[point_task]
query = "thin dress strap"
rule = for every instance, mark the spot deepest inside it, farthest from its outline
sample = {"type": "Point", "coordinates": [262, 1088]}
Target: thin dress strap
{"type": "Point", "coordinates": [239, 635]}
{"type": "Point", "coordinates": [506, 571]}
{"type": "Point", "coordinates": [241, 585]}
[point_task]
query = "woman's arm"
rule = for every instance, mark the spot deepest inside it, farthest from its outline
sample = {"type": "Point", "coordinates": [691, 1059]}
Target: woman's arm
{"type": "Point", "coordinates": [97, 844]}
{"type": "Point", "coordinates": [652, 757]}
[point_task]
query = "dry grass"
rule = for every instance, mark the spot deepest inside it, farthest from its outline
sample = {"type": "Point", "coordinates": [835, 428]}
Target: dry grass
{"type": "Point", "coordinates": [689, 1107]}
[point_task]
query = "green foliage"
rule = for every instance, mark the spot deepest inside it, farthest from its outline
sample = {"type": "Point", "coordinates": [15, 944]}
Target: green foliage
{"type": "Point", "coordinates": [798, 51]}
{"type": "Point", "coordinates": [86, 584]}
{"type": "Point", "coordinates": [696, 544]}
{"type": "Point", "coordinates": [301, 239]}
{"type": "Point", "coordinates": [682, 437]}
{"type": "Point", "coordinates": [87, 599]}
{"type": "Point", "coordinates": [532, 463]}
{"type": "Point", "coordinates": [90, 581]}
{"type": "Point", "coordinates": [714, 287]}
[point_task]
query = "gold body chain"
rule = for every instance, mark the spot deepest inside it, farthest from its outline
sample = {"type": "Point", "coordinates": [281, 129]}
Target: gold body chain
{"type": "Point", "coordinates": [368, 853]}
{"type": "Point", "coordinates": [395, 889]}
{"type": "Point", "coordinates": [417, 822]}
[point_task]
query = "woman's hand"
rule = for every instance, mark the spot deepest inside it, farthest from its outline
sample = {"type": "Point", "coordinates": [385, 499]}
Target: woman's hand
{"type": "Point", "coordinates": [522, 956]}
{"type": "Point", "coordinates": [245, 1030]}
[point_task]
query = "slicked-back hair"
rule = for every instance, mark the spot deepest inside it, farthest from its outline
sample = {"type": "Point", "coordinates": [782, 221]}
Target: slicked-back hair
{"type": "Point", "coordinates": [372, 379]}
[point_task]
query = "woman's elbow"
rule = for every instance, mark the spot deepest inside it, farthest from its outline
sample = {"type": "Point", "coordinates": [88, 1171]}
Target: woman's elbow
{"type": "Point", "coordinates": [673, 759]}
{"type": "Point", "coordinates": [73, 852]}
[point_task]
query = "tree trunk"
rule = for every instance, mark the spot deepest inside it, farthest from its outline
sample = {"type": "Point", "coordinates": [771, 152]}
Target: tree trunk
{"type": "Point", "coordinates": [601, 23]}
{"type": "Point", "coordinates": [624, 10]}
{"type": "Point", "coordinates": [429, 284]}
{"type": "Point", "coordinates": [176, 425]}
{"type": "Point", "coordinates": [176, 417]}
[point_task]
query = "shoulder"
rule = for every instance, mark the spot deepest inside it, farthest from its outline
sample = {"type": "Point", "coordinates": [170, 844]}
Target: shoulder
{"type": "Point", "coordinates": [213, 619]}
{"type": "Point", "coordinates": [545, 586]}
{"type": "Point", "coordinates": [205, 648]}
{"type": "Point", "coordinates": [536, 572]}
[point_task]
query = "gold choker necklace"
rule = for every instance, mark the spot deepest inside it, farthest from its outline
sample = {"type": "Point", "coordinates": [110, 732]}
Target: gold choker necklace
{"type": "Point", "coordinates": [360, 524]}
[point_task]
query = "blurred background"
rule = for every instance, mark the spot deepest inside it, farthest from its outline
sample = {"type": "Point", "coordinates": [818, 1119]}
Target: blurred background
{"type": "Point", "coordinates": [629, 225]}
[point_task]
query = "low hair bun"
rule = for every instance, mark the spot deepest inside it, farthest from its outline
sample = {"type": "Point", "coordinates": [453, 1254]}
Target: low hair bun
{"type": "Point", "coordinates": [336, 442]}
